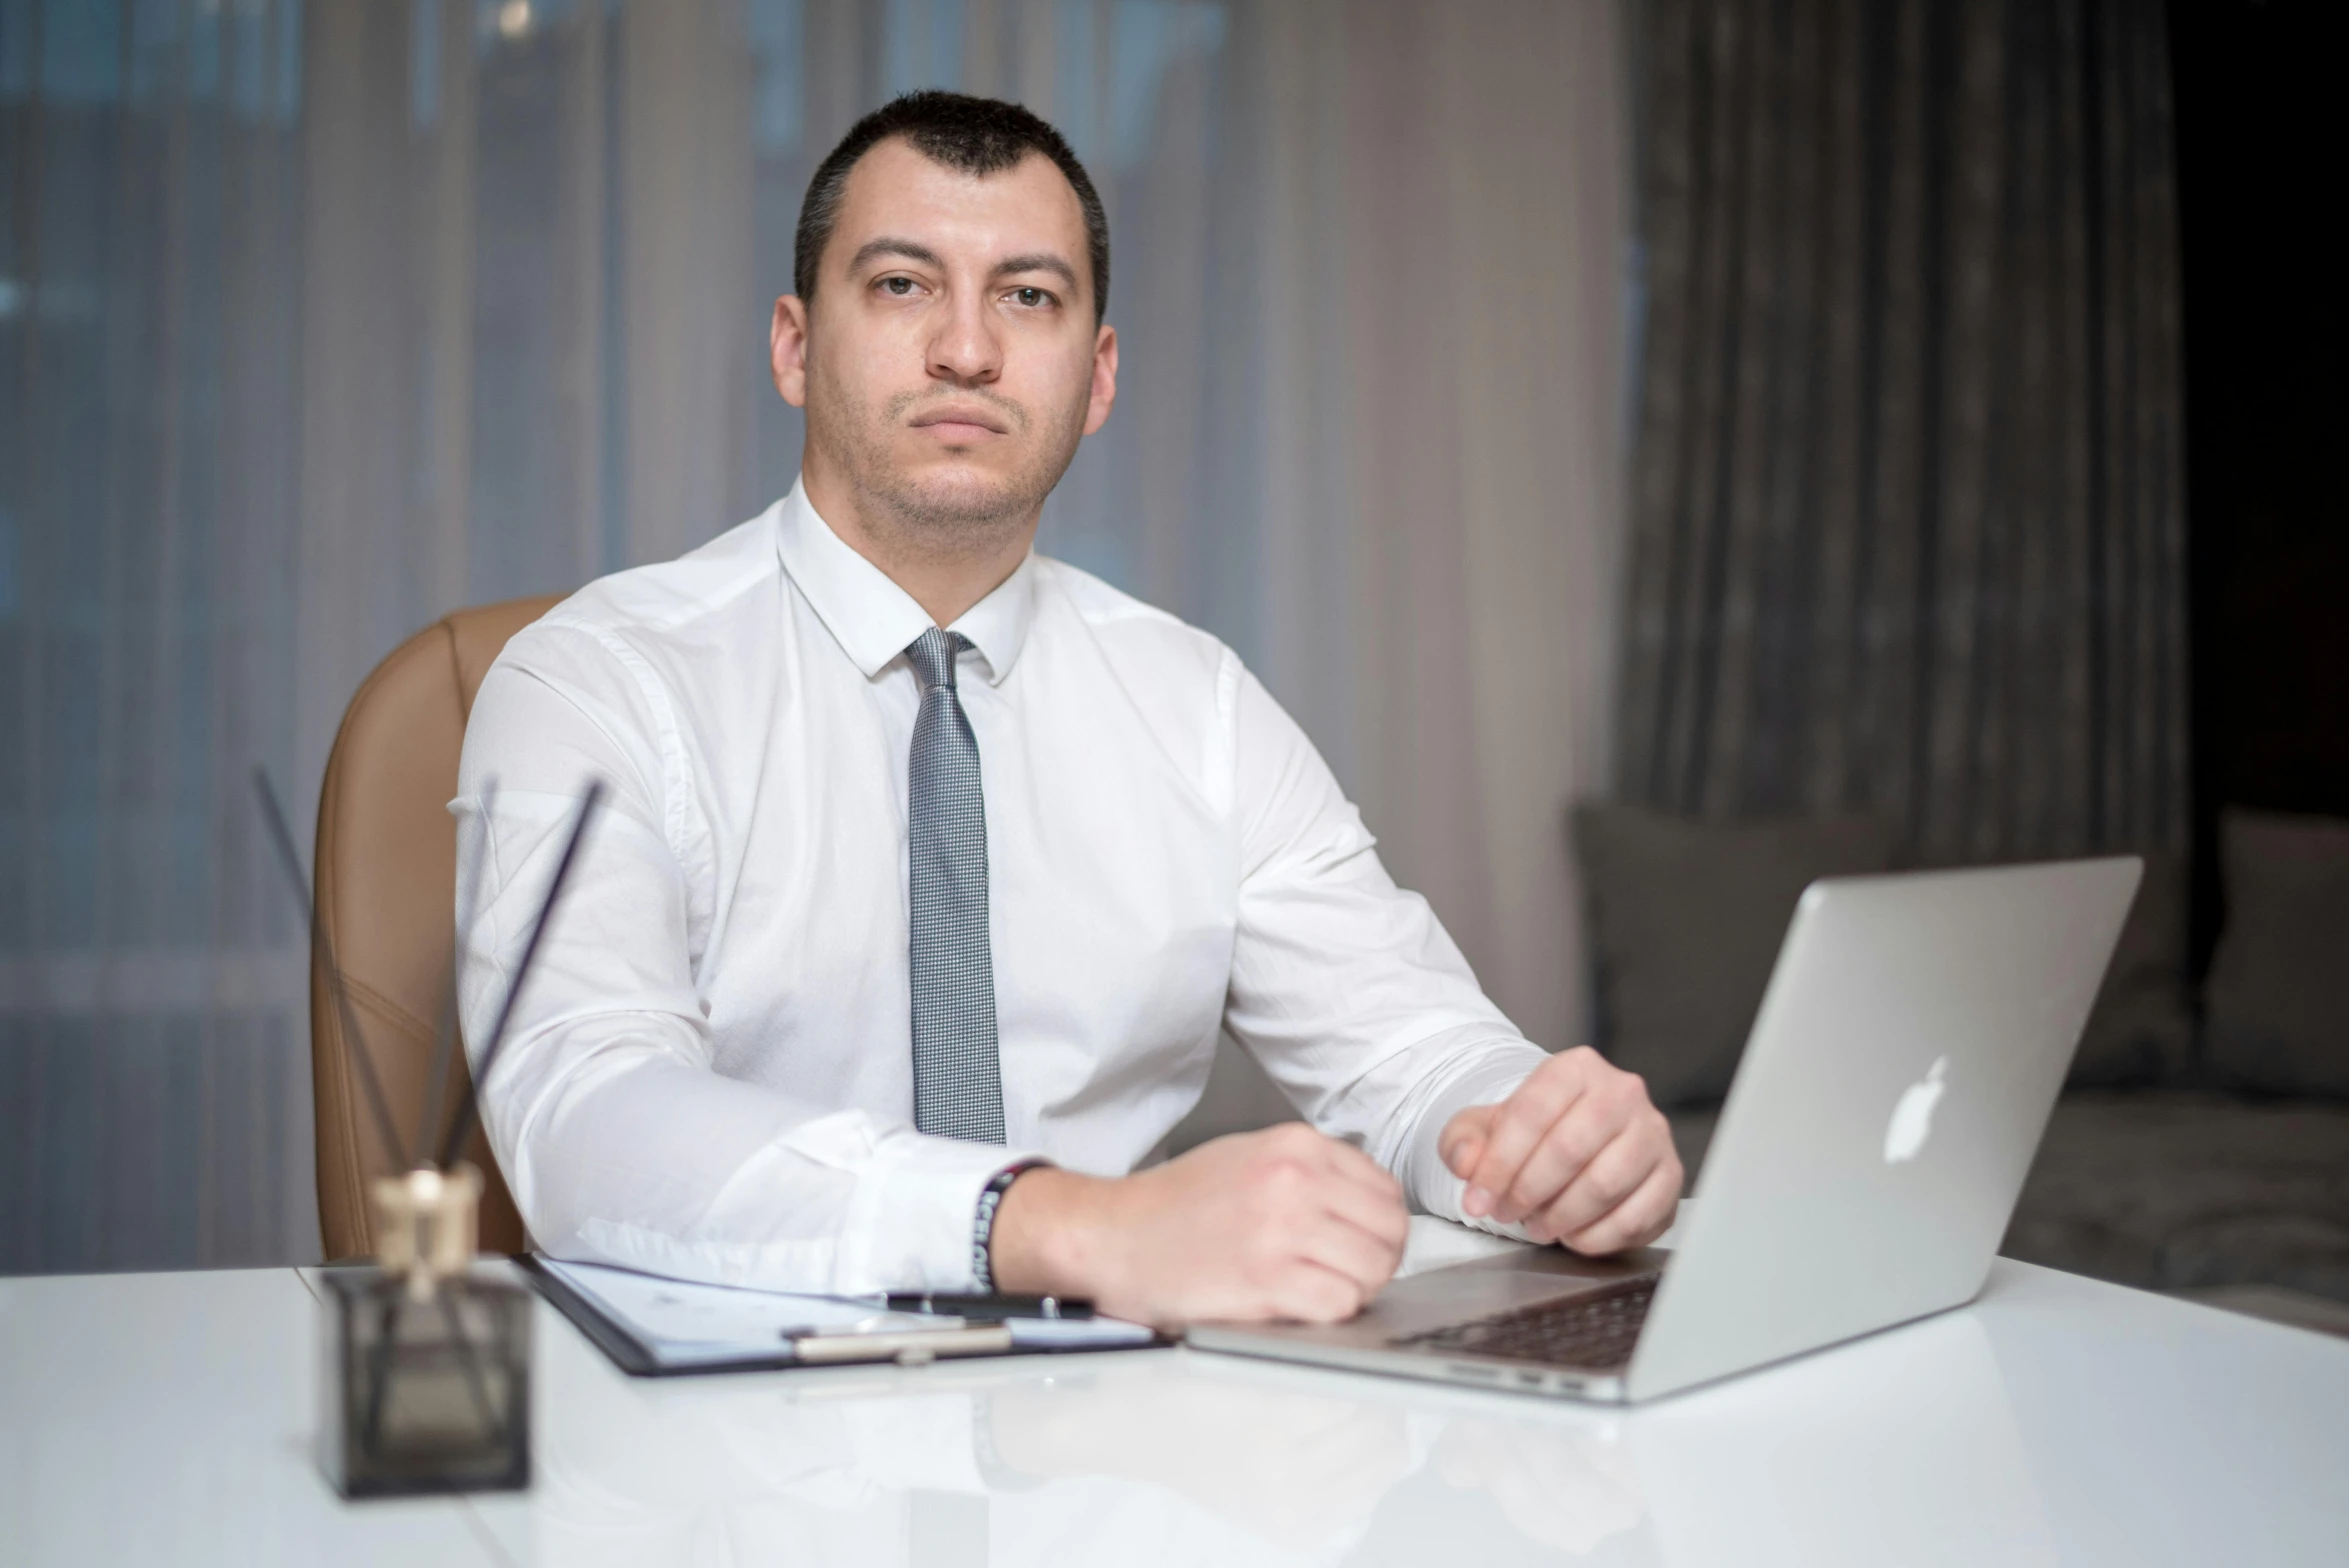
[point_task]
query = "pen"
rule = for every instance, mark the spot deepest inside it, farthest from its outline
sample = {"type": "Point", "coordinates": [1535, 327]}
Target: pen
{"type": "Point", "coordinates": [908, 1347]}
{"type": "Point", "coordinates": [988, 1309]}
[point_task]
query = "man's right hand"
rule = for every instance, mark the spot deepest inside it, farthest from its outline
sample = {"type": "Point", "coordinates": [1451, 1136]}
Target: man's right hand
{"type": "Point", "coordinates": [1283, 1223]}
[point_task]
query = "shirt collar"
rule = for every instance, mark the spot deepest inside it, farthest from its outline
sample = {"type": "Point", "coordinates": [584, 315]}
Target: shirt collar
{"type": "Point", "coordinates": [871, 617]}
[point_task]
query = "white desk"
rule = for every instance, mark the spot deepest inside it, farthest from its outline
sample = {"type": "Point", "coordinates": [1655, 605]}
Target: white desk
{"type": "Point", "coordinates": [166, 1418]}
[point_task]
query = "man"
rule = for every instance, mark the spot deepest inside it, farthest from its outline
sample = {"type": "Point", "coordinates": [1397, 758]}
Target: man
{"type": "Point", "coordinates": [933, 867]}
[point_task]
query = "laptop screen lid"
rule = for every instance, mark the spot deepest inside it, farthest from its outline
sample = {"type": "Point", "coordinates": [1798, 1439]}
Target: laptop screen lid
{"type": "Point", "coordinates": [1899, 1075]}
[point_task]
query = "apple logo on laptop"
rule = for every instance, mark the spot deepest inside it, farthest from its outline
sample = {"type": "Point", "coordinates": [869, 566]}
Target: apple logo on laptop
{"type": "Point", "coordinates": [1912, 1117]}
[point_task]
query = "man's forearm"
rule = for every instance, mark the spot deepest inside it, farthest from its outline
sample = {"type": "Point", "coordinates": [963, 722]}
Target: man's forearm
{"type": "Point", "coordinates": [668, 1167]}
{"type": "Point", "coordinates": [1046, 1229]}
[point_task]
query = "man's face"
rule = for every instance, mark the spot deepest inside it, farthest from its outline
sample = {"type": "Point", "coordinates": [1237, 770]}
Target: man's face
{"type": "Point", "coordinates": [949, 362]}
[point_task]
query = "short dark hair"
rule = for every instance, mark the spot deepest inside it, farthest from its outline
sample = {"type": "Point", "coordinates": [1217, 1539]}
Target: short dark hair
{"type": "Point", "coordinates": [978, 136]}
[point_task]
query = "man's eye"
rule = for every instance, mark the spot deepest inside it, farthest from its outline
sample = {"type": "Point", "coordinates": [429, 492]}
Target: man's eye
{"type": "Point", "coordinates": [898, 286]}
{"type": "Point", "coordinates": [1030, 297]}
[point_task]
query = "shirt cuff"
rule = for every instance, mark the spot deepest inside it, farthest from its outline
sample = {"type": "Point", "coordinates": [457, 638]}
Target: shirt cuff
{"type": "Point", "coordinates": [1429, 1180]}
{"type": "Point", "coordinates": [909, 1224]}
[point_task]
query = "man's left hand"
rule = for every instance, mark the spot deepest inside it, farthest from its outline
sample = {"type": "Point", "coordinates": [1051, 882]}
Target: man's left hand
{"type": "Point", "coordinates": [1576, 1155]}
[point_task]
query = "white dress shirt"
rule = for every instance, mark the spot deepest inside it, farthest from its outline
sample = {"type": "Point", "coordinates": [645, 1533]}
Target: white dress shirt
{"type": "Point", "coordinates": [709, 1074]}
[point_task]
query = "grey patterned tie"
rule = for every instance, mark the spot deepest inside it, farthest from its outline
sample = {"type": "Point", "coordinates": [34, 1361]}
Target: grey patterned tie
{"type": "Point", "coordinates": [958, 1080]}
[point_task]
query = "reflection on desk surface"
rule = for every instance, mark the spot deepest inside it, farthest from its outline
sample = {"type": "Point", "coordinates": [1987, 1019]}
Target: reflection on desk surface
{"type": "Point", "coordinates": [167, 1419]}
{"type": "Point", "coordinates": [1190, 1458]}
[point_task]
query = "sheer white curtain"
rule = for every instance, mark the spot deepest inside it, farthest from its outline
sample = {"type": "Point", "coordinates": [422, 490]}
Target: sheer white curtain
{"type": "Point", "coordinates": [322, 319]}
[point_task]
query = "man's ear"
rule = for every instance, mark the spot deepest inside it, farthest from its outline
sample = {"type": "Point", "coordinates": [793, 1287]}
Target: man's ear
{"type": "Point", "coordinates": [787, 349]}
{"type": "Point", "coordinates": [1104, 393]}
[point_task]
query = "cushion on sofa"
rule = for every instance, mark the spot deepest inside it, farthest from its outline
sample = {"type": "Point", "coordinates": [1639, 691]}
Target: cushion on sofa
{"type": "Point", "coordinates": [2277, 1000]}
{"type": "Point", "coordinates": [2142, 1029]}
{"type": "Point", "coordinates": [2172, 1191]}
{"type": "Point", "coordinates": [1685, 922]}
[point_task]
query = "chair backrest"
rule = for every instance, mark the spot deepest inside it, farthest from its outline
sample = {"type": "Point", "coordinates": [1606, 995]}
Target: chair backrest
{"type": "Point", "coordinates": [387, 895]}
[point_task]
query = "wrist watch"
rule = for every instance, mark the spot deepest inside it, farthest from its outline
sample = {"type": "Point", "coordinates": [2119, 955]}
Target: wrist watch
{"type": "Point", "coordinates": [983, 1222]}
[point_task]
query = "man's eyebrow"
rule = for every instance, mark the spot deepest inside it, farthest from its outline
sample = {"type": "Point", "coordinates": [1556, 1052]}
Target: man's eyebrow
{"type": "Point", "coordinates": [910, 250]}
{"type": "Point", "coordinates": [1042, 261]}
{"type": "Point", "coordinates": [874, 249]}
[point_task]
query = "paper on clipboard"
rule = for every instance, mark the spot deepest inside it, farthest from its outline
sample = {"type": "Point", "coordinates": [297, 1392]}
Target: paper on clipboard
{"type": "Point", "coordinates": [682, 1323]}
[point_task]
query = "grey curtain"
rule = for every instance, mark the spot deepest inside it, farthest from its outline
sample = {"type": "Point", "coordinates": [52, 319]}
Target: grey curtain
{"type": "Point", "coordinates": [150, 232]}
{"type": "Point", "coordinates": [1907, 530]}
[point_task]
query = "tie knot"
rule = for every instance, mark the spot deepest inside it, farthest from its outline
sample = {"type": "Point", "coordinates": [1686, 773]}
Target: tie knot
{"type": "Point", "coordinates": [932, 656]}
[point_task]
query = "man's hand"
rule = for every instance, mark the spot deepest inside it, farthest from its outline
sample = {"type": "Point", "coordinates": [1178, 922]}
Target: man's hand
{"type": "Point", "coordinates": [1283, 1223]}
{"type": "Point", "coordinates": [1577, 1155]}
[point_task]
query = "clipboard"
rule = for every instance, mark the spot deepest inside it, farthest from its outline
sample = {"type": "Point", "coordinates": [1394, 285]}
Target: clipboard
{"type": "Point", "coordinates": [633, 1353]}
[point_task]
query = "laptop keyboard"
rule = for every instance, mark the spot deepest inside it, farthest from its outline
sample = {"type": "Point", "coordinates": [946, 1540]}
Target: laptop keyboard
{"type": "Point", "coordinates": [1597, 1329]}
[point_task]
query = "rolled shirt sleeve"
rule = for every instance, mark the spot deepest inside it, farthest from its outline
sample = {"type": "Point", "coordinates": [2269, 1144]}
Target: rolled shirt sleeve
{"type": "Point", "coordinates": [1345, 987]}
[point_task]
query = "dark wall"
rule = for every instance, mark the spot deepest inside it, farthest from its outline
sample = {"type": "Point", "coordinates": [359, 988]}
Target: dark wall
{"type": "Point", "coordinates": [2260, 117]}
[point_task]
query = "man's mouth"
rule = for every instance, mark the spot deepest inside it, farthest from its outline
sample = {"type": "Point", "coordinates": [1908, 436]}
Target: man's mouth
{"type": "Point", "coordinates": [961, 421]}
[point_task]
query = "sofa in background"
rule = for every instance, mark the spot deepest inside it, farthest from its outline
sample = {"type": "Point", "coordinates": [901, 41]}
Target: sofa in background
{"type": "Point", "coordinates": [2202, 1144]}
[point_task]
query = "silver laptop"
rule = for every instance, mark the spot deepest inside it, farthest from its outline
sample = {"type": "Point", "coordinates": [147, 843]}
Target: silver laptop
{"type": "Point", "coordinates": [1899, 1075]}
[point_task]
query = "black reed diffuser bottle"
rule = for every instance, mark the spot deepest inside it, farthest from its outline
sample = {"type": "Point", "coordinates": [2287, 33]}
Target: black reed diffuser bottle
{"type": "Point", "coordinates": [426, 1386]}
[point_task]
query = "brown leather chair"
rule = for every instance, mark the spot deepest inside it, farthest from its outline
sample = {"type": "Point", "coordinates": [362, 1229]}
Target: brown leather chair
{"type": "Point", "coordinates": [387, 894]}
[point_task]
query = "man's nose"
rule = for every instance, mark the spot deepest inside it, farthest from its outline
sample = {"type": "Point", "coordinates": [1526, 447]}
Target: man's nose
{"type": "Point", "coordinates": [966, 350]}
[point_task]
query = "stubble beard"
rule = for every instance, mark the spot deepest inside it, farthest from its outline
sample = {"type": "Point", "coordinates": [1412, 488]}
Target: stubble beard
{"type": "Point", "coordinates": [939, 517]}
